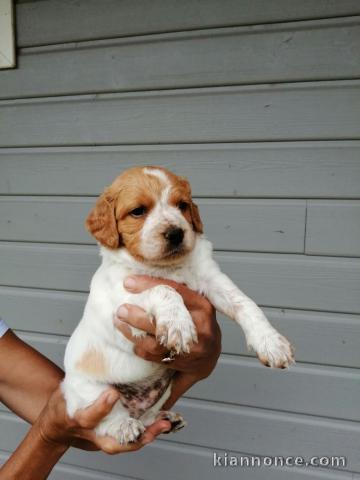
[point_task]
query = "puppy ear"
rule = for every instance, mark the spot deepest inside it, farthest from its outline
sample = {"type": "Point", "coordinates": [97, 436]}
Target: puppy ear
{"type": "Point", "coordinates": [101, 222]}
{"type": "Point", "coordinates": [195, 217]}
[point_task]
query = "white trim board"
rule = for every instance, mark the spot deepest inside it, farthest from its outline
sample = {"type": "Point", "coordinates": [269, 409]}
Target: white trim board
{"type": "Point", "coordinates": [7, 35]}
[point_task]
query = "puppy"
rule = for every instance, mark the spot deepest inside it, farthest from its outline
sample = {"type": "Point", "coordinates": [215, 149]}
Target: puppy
{"type": "Point", "coordinates": [147, 223]}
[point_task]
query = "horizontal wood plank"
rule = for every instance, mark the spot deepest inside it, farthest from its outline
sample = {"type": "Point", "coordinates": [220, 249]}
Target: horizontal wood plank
{"type": "Point", "coordinates": [229, 428]}
{"type": "Point", "coordinates": [333, 228]}
{"type": "Point", "coordinates": [302, 111]}
{"type": "Point", "coordinates": [295, 281]}
{"type": "Point", "coordinates": [41, 311]}
{"type": "Point", "coordinates": [184, 461]}
{"type": "Point", "coordinates": [62, 471]}
{"type": "Point", "coordinates": [257, 225]}
{"type": "Point", "coordinates": [265, 431]}
{"type": "Point", "coordinates": [323, 391]}
{"type": "Point", "coordinates": [306, 389]}
{"type": "Point", "coordinates": [40, 23]}
{"type": "Point", "coordinates": [270, 53]}
{"type": "Point", "coordinates": [323, 338]}
{"type": "Point", "coordinates": [278, 280]}
{"type": "Point", "coordinates": [286, 169]}
{"type": "Point", "coordinates": [67, 472]}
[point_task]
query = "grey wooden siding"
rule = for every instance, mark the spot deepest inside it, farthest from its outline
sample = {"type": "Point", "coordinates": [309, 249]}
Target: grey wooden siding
{"type": "Point", "coordinates": [263, 225]}
{"type": "Point", "coordinates": [223, 114]}
{"type": "Point", "coordinates": [203, 58]}
{"type": "Point", "coordinates": [88, 19]}
{"type": "Point", "coordinates": [258, 103]}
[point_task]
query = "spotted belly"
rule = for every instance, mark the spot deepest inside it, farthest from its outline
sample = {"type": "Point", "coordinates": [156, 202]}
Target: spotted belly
{"type": "Point", "coordinates": [138, 397]}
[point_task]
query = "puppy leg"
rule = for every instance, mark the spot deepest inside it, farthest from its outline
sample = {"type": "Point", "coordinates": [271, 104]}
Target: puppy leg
{"type": "Point", "coordinates": [175, 328]}
{"type": "Point", "coordinates": [80, 393]}
{"type": "Point", "coordinates": [119, 425]}
{"type": "Point", "coordinates": [272, 348]}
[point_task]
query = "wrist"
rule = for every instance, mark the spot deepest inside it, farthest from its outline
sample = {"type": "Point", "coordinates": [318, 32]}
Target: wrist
{"type": "Point", "coordinates": [48, 440]}
{"type": "Point", "coordinates": [49, 432]}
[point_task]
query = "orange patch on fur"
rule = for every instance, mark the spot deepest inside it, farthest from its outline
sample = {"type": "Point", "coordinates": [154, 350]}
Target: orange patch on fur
{"type": "Point", "coordinates": [181, 191]}
{"type": "Point", "coordinates": [93, 363]}
{"type": "Point", "coordinates": [135, 188]}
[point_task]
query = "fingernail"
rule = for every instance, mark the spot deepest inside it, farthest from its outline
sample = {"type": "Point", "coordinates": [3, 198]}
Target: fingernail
{"type": "Point", "coordinates": [122, 312]}
{"type": "Point", "coordinates": [130, 283]}
{"type": "Point", "coordinates": [166, 429]}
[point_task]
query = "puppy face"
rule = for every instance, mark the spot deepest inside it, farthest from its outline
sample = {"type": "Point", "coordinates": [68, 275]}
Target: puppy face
{"type": "Point", "coordinates": [149, 211]}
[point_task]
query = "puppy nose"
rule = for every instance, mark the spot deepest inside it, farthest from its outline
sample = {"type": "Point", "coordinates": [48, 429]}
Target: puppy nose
{"type": "Point", "coordinates": [174, 236]}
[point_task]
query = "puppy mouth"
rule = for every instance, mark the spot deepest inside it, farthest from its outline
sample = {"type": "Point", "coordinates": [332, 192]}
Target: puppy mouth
{"type": "Point", "coordinates": [174, 251]}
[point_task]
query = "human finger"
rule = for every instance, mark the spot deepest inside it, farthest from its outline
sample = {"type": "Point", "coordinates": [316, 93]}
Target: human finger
{"type": "Point", "coordinates": [111, 446]}
{"type": "Point", "coordinates": [136, 317]}
{"type": "Point", "coordinates": [146, 343]}
{"type": "Point", "coordinates": [158, 427]}
{"type": "Point", "coordinates": [89, 417]}
{"type": "Point", "coordinates": [151, 357]}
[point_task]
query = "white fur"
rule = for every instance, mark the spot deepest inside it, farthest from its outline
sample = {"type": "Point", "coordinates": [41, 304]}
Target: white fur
{"type": "Point", "coordinates": [96, 331]}
{"type": "Point", "coordinates": [158, 221]}
{"type": "Point", "coordinates": [157, 173]}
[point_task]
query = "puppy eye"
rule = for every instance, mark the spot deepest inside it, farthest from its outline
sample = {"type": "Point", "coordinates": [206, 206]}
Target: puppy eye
{"type": "Point", "coordinates": [183, 206]}
{"type": "Point", "coordinates": [138, 212]}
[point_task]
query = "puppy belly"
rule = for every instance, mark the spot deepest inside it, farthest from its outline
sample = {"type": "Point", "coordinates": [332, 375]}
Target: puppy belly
{"type": "Point", "coordinates": [138, 397]}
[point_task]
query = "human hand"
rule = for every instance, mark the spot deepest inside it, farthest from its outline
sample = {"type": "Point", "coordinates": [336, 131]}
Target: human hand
{"type": "Point", "coordinates": [191, 367]}
{"type": "Point", "coordinates": [55, 426]}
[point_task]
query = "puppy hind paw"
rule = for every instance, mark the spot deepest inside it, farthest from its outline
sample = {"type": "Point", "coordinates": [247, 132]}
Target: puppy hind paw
{"type": "Point", "coordinates": [130, 431]}
{"type": "Point", "coordinates": [126, 431]}
{"type": "Point", "coordinates": [176, 420]}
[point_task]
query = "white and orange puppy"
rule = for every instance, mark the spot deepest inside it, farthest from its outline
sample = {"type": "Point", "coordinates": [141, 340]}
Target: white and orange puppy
{"type": "Point", "coordinates": [147, 223]}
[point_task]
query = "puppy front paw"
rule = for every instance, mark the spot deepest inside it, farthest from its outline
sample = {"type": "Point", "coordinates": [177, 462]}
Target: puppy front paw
{"type": "Point", "coordinates": [273, 350]}
{"type": "Point", "coordinates": [176, 331]}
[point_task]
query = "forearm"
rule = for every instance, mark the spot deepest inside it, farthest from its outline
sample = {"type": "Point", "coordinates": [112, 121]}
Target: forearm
{"type": "Point", "coordinates": [34, 458]}
{"type": "Point", "coordinates": [27, 378]}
